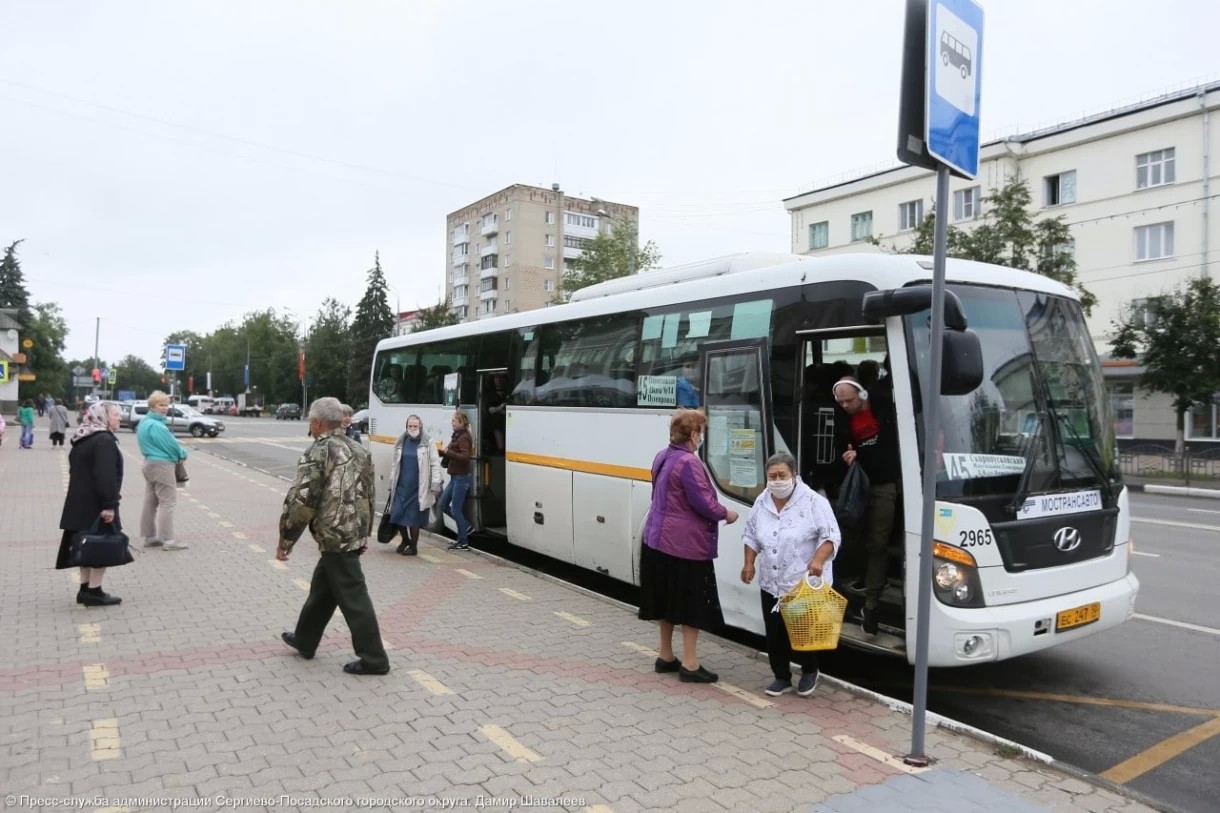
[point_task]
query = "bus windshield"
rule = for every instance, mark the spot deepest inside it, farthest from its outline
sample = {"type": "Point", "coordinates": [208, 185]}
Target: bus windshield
{"type": "Point", "coordinates": [1040, 420]}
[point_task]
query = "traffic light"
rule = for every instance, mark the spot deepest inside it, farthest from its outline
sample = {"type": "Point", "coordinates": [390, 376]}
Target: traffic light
{"type": "Point", "coordinates": [162, 379]}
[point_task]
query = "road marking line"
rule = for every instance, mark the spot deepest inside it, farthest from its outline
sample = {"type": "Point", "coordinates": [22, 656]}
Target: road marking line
{"type": "Point", "coordinates": [301, 583]}
{"type": "Point", "coordinates": [104, 739]}
{"type": "Point", "coordinates": [1162, 752]}
{"type": "Point", "coordinates": [202, 507]}
{"type": "Point", "coordinates": [428, 682]}
{"type": "Point", "coordinates": [1170, 622]}
{"type": "Point", "coordinates": [877, 754]}
{"type": "Point", "coordinates": [1080, 700]}
{"type": "Point", "coordinates": [468, 574]}
{"type": "Point", "coordinates": [430, 559]}
{"type": "Point", "coordinates": [643, 650]}
{"type": "Point", "coordinates": [278, 565]}
{"type": "Point", "coordinates": [514, 594]}
{"type": "Point", "coordinates": [741, 694]}
{"type": "Point", "coordinates": [239, 535]}
{"type": "Point", "coordinates": [1204, 510]}
{"type": "Point", "coordinates": [224, 524]}
{"type": "Point", "coordinates": [256, 548]}
{"type": "Point", "coordinates": [1149, 555]}
{"type": "Point", "coordinates": [1173, 524]}
{"type": "Point", "coordinates": [97, 676]}
{"type": "Point", "coordinates": [89, 633]}
{"type": "Point", "coordinates": [509, 744]}
{"type": "Point", "coordinates": [213, 515]}
{"type": "Point", "coordinates": [577, 620]}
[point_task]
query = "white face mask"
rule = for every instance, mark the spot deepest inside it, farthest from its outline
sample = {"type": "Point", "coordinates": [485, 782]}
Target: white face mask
{"type": "Point", "coordinates": [699, 443]}
{"type": "Point", "coordinates": [781, 488]}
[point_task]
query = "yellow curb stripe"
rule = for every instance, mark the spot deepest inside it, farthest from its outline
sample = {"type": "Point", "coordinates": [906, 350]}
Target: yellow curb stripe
{"type": "Point", "coordinates": [428, 682]}
{"type": "Point", "coordinates": [213, 515]}
{"type": "Point", "coordinates": [877, 754]}
{"type": "Point", "coordinates": [224, 524]}
{"type": "Point", "coordinates": [580, 622]}
{"type": "Point", "coordinates": [239, 535]}
{"type": "Point", "coordinates": [468, 574]}
{"type": "Point", "coordinates": [514, 594]}
{"type": "Point", "coordinates": [1162, 752]}
{"type": "Point", "coordinates": [104, 740]}
{"type": "Point", "coordinates": [256, 548]}
{"type": "Point", "coordinates": [643, 650]}
{"type": "Point", "coordinates": [432, 560]}
{"type": "Point", "coordinates": [509, 744]}
{"type": "Point", "coordinates": [742, 694]}
{"type": "Point", "coordinates": [277, 564]}
{"type": "Point", "coordinates": [301, 583]}
{"type": "Point", "coordinates": [89, 633]}
{"type": "Point", "coordinates": [97, 676]}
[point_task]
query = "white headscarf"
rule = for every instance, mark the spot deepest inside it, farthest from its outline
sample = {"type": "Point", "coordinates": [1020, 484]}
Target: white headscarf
{"type": "Point", "coordinates": [97, 419]}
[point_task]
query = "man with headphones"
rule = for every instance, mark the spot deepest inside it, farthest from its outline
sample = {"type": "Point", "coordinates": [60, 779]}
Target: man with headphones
{"type": "Point", "coordinates": [865, 433]}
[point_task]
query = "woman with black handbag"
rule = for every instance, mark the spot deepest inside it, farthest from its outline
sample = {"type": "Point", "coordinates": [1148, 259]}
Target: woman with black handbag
{"type": "Point", "coordinates": [95, 480]}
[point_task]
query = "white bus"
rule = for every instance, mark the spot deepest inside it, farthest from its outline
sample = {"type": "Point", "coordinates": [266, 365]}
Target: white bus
{"type": "Point", "coordinates": [1032, 520]}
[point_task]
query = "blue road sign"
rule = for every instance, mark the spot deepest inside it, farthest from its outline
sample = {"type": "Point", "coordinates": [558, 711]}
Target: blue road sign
{"type": "Point", "coordinates": [175, 356]}
{"type": "Point", "coordinates": [3, 371]}
{"type": "Point", "coordinates": [954, 72]}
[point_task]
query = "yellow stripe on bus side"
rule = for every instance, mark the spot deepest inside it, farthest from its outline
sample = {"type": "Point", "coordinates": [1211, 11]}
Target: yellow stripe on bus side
{"type": "Point", "coordinates": [587, 466]}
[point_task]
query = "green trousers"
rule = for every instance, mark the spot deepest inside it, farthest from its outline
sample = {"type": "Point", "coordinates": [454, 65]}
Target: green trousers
{"type": "Point", "coordinates": [338, 581]}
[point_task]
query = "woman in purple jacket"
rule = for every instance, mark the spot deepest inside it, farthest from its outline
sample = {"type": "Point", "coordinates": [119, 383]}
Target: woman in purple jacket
{"type": "Point", "coordinates": [677, 578]}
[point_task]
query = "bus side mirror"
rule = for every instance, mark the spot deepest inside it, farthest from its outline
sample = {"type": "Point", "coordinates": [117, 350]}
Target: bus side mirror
{"type": "Point", "coordinates": [877, 305]}
{"type": "Point", "coordinates": [962, 366]}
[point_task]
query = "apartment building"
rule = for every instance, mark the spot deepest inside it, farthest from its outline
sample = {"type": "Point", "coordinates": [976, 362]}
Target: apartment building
{"type": "Point", "coordinates": [1135, 184]}
{"type": "Point", "coordinates": [507, 252]}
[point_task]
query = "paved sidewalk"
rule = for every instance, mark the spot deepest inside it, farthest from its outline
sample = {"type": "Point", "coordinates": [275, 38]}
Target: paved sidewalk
{"type": "Point", "coordinates": [507, 688]}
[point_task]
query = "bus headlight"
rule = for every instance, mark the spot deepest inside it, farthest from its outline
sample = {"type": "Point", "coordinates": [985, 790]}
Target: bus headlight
{"type": "Point", "coordinates": [955, 577]}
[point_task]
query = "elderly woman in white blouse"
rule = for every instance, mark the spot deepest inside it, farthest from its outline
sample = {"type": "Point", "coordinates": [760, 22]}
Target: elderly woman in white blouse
{"type": "Point", "coordinates": [791, 533]}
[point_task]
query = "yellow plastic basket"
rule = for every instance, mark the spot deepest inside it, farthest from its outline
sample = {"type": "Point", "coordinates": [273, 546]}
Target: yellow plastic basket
{"type": "Point", "coordinates": [813, 615]}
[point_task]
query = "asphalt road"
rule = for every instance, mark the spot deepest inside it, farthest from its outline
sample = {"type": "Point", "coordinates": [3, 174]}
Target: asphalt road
{"type": "Point", "coordinates": [1139, 704]}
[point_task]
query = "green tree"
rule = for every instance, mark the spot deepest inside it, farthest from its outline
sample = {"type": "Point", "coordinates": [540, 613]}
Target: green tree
{"type": "Point", "coordinates": [609, 255]}
{"type": "Point", "coordinates": [13, 293]}
{"type": "Point", "coordinates": [1176, 339]}
{"type": "Point", "coordinates": [47, 330]}
{"type": "Point", "coordinates": [135, 374]}
{"type": "Point", "coordinates": [328, 350]}
{"type": "Point", "coordinates": [374, 321]}
{"type": "Point", "coordinates": [439, 315]}
{"type": "Point", "coordinates": [1009, 235]}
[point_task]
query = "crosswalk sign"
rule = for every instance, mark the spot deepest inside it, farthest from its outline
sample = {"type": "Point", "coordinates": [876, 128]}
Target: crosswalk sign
{"type": "Point", "coordinates": [4, 371]}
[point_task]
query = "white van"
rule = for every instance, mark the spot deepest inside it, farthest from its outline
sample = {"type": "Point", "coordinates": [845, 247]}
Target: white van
{"type": "Point", "coordinates": [223, 405]}
{"type": "Point", "coordinates": [203, 403]}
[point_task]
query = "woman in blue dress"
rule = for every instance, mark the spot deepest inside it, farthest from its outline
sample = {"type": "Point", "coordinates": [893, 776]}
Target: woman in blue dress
{"type": "Point", "coordinates": [416, 481]}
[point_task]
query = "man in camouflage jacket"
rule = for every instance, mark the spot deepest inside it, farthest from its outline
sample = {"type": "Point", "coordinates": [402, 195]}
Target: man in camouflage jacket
{"type": "Point", "coordinates": [332, 495]}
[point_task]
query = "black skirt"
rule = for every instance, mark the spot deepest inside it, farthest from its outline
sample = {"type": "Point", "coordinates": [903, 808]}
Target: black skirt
{"type": "Point", "coordinates": [680, 591]}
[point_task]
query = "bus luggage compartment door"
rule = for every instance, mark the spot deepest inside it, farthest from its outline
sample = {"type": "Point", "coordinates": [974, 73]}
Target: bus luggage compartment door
{"type": "Point", "coordinates": [601, 524]}
{"type": "Point", "coordinates": [540, 509]}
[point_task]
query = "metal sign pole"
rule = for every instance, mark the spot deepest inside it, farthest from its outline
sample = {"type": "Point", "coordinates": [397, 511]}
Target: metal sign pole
{"type": "Point", "coordinates": [931, 435]}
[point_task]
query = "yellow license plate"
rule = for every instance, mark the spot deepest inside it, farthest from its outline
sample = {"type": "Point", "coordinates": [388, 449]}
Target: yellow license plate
{"type": "Point", "coordinates": [1078, 616]}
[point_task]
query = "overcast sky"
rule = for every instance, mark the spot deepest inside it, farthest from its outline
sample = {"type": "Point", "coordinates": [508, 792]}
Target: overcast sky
{"type": "Point", "coordinates": [175, 164]}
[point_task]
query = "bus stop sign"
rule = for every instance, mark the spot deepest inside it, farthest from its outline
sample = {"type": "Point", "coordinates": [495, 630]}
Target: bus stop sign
{"type": "Point", "coordinates": [954, 72]}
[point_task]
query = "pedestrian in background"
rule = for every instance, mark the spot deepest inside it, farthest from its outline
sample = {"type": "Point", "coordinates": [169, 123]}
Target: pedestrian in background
{"type": "Point", "coordinates": [162, 452]}
{"type": "Point", "coordinates": [677, 577]}
{"type": "Point", "coordinates": [415, 483]}
{"type": "Point", "coordinates": [790, 534]}
{"type": "Point", "coordinates": [60, 421]}
{"type": "Point", "coordinates": [332, 495]}
{"type": "Point", "coordinates": [95, 484]}
{"type": "Point", "coordinates": [456, 457]}
{"type": "Point", "coordinates": [25, 415]}
{"type": "Point", "coordinates": [349, 430]}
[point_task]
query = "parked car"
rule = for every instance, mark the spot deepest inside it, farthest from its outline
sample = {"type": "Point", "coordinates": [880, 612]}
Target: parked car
{"type": "Point", "coordinates": [181, 419]}
{"type": "Point", "coordinates": [361, 421]}
{"type": "Point", "coordinates": [287, 412]}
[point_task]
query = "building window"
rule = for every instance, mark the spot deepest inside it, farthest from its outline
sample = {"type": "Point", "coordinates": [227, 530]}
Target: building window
{"type": "Point", "coordinates": [549, 218]}
{"type": "Point", "coordinates": [909, 214]}
{"type": "Point", "coordinates": [459, 292]}
{"type": "Point", "coordinates": [1201, 422]}
{"type": "Point", "coordinates": [1154, 168]}
{"type": "Point", "coordinates": [580, 220]}
{"type": "Point", "coordinates": [1060, 189]}
{"type": "Point", "coordinates": [1122, 406]}
{"type": "Point", "coordinates": [1154, 242]}
{"type": "Point", "coordinates": [508, 260]}
{"type": "Point", "coordinates": [508, 284]}
{"type": "Point", "coordinates": [488, 262]}
{"type": "Point", "coordinates": [508, 237]}
{"type": "Point", "coordinates": [489, 306]}
{"type": "Point", "coordinates": [548, 240]}
{"type": "Point", "coordinates": [508, 303]}
{"type": "Point", "coordinates": [1066, 249]}
{"type": "Point", "coordinates": [486, 285]}
{"type": "Point", "coordinates": [861, 226]}
{"type": "Point", "coordinates": [819, 235]}
{"type": "Point", "coordinates": [548, 263]}
{"type": "Point", "coordinates": [548, 285]}
{"type": "Point", "coordinates": [508, 213]}
{"type": "Point", "coordinates": [462, 249]}
{"type": "Point", "coordinates": [966, 203]}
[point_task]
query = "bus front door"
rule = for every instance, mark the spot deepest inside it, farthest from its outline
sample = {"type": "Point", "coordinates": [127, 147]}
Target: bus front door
{"type": "Point", "coordinates": [492, 430]}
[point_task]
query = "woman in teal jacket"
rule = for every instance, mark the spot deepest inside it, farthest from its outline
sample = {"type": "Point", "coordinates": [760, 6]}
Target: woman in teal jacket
{"type": "Point", "coordinates": [161, 455]}
{"type": "Point", "coordinates": [26, 416]}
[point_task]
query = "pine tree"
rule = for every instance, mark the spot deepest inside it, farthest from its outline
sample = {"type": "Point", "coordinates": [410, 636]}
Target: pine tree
{"type": "Point", "coordinates": [13, 293]}
{"type": "Point", "coordinates": [374, 321]}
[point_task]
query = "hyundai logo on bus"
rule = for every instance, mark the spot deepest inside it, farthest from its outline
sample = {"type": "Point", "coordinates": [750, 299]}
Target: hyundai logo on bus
{"type": "Point", "coordinates": [1067, 539]}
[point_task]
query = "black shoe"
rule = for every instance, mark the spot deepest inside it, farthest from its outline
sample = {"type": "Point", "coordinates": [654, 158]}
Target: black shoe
{"type": "Point", "coordinates": [98, 599]}
{"type": "Point", "coordinates": [869, 625]}
{"type": "Point", "coordinates": [402, 548]}
{"type": "Point", "coordinates": [362, 668]}
{"type": "Point", "coordinates": [290, 638]}
{"type": "Point", "coordinates": [80, 594]}
{"type": "Point", "coordinates": [700, 675]}
{"type": "Point", "coordinates": [410, 550]}
{"type": "Point", "coordinates": [667, 666]}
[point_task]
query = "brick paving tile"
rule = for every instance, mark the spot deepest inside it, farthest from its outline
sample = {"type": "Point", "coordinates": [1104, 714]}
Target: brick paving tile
{"type": "Point", "coordinates": [209, 701]}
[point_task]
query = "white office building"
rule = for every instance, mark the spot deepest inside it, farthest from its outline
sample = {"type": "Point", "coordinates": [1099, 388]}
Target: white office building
{"type": "Point", "coordinates": [1135, 184]}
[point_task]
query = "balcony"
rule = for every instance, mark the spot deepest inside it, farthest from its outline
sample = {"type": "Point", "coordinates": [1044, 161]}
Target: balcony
{"type": "Point", "coordinates": [461, 235]}
{"type": "Point", "coordinates": [489, 272]}
{"type": "Point", "coordinates": [572, 253]}
{"type": "Point", "coordinates": [579, 225]}
{"type": "Point", "coordinates": [457, 299]}
{"type": "Point", "coordinates": [490, 225]}
{"type": "Point", "coordinates": [486, 295]}
{"type": "Point", "coordinates": [491, 248]}
{"type": "Point", "coordinates": [459, 257]}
